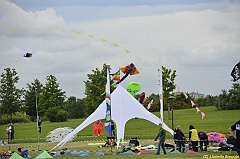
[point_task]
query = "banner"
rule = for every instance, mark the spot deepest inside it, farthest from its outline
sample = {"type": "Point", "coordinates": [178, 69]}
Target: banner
{"type": "Point", "coordinates": [236, 72]}
{"type": "Point", "coordinates": [108, 117]}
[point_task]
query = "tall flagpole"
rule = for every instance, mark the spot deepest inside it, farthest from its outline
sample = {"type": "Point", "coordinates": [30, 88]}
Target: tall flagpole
{"type": "Point", "coordinates": [37, 117]}
{"type": "Point", "coordinates": [161, 94]}
{"type": "Point", "coordinates": [108, 118]}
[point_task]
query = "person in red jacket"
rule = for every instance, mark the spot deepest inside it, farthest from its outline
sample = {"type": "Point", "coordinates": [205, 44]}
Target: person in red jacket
{"type": "Point", "coordinates": [95, 129]}
{"type": "Point", "coordinates": [100, 127]}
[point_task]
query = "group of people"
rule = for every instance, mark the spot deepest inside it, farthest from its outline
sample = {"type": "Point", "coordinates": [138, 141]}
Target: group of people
{"type": "Point", "coordinates": [195, 138]}
{"type": "Point", "coordinates": [10, 131]}
{"type": "Point", "coordinates": [98, 128]}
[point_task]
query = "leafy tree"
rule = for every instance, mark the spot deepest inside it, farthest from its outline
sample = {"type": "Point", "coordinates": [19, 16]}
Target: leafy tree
{"type": "Point", "coordinates": [155, 105]}
{"type": "Point", "coordinates": [10, 95]}
{"type": "Point", "coordinates": [52, 97]}
{"type": "Point", "coordinates": [209, 100]}
{"type": "Point", "coordinates": [95, 87]}
{"type": "Point", "coordinates": [181, 102]}
{"type": "Point", "coordinates": [222, 100]}
{"type": "Point", "coordinates": [31, 98]}
{"type": "Point", "coordinates": [234, 97]}
{"type": "Point", "coordinates": [168, 77]}
{"type": "Point", "coordinates": [229, 100]}
{"type": "Point", "coordinates": [75, 107]}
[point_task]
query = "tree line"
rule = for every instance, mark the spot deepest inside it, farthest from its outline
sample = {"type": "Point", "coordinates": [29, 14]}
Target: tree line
{"type": "Point", "coordinates": [49, 102]}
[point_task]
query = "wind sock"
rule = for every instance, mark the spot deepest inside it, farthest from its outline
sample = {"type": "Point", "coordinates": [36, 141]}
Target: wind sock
{"type": "Point", "coordinates": [116, 76]}
{"type": "Point", "coordinates": [142, 98]}
{"type": "Point", "coordinates": [108, 117]}
{"type": "Point", "coordinates": [203, 115]}
{"type": "Point", "coordinates": [185, 96]}
{"type": "Point", "coordinates": [150, 104]}
{"type": "Point", "coordinates": [192, 103]}
{"type": "Point", "coordinates": [198, 110]}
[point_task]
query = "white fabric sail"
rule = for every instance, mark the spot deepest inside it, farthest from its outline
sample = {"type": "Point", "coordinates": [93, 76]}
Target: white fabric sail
{"type": "Point", "coordinates": [124, 107]}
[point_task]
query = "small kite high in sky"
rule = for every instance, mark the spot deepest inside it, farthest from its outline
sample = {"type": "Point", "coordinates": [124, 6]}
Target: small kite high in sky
{"type": "Point", "coordinates": [27, 54]}
{"type": "Point", "coordinates": [127, 70]}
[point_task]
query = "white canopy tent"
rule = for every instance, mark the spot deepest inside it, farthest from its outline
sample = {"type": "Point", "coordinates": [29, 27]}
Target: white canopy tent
{"type": "Point", "coordinates": [123, 108]}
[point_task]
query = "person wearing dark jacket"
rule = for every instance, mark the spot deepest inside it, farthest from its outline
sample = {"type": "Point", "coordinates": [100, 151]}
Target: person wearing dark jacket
{"type": "Point", "coordinates": [236, 127]}
{"type": "Point", "coordinates": [180, 139]}
{"type": "Point", "coordinates": [203, 140]}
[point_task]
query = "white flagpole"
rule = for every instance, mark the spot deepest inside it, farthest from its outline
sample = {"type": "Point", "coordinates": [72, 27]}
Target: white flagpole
{"type": "Point", "coordinates": [160, 95]}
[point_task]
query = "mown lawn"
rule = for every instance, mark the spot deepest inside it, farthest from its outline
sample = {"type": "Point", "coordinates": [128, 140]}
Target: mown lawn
{"type": "Point", "coordinates": [215, 120]}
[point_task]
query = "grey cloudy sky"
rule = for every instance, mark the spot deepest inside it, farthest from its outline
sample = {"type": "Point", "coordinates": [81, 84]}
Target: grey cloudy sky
{"type": "Point", "coordinates": [198, 39]}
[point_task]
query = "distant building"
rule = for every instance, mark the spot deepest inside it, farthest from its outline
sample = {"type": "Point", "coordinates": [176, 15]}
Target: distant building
{"type": "Point", "coordinates": [197, 95]}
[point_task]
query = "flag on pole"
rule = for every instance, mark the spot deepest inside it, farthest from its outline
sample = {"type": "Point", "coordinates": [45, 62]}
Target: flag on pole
{"type": "Point", "coordinates": [203, 115]}
{"type": "Point", "coordinates": [236, 72]}
{"type": "Point", "coordinates": [108, 117]}
{"type": "Point", "coordinates": [192, 103]}
{"type": "Point", "coordinates": [116, 76]}
{"type": "Point", "coordinates": [197, 109]}
{"type": "Point", "coordinates": [150, 104]}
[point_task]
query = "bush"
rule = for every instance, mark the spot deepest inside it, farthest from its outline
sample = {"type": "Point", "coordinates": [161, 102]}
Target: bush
{"type": "Point", "coordinates": [56, 114]}
{"type": "Point", "coordinates": [62, 116]}
{"type": "Point", "coordinates": [17, 118]}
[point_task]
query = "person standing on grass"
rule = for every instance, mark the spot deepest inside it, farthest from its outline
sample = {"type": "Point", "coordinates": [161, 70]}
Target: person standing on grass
{"type": "Point", "coordinates": [236, 136]}
{"type": "Point", "coordinates": [12, 134]}
{"type": "Point", "coordinates": [39, 125]}
{"type": "Point", "coordinates": [95, 129]}
{"type": "Point", "coordinates": [180, 139]}
{"type": "Point", "coordinates": [193, 138]}
{"type": "Point", "coordinates": [100, 127]}
{"type": "Point", "coordinates": [9, 132]}
{"type": "Point", "coordinates": [113, 128]}
{"type": "Point", "coordinates": [203, 140]}
{"type": "Point", "coordinates": [162, 137]}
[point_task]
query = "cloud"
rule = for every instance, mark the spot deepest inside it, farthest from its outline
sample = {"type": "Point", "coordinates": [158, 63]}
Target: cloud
{"type": "Point", "coordinates": [194, 39]}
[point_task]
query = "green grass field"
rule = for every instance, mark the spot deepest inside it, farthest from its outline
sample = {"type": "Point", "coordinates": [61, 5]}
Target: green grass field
{"type": "Point", "coordinates": [26, 134]}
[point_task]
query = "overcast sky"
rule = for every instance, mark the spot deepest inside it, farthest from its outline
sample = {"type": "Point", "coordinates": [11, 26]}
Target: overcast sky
{"type": "Point", "coordinates": [198, 39]}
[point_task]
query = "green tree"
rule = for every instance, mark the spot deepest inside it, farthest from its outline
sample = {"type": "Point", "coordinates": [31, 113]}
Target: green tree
{"type": "Point", "coordinates": [31, 98]}
{"type": "Point", "coordinates": [95, 87]}
{"type": "Point", "coordinates": [168, 77]}
{"type": "Point", "coordinates": [181, 102]}
{"type": "Point", "coordinates": [10, 96]}
{"type": "Point", "coordinates": [155, 105]}
{"type": "Point", "coordinates": [51, 99]}
{"type": "Point", "coordinates": [229, 100]}
{"type": "Point", "coordinates": [222, 101]}
{"type": "Point", "coordinates": [234, 97]}
{"type": "Point", "coordinates": [75, 107]}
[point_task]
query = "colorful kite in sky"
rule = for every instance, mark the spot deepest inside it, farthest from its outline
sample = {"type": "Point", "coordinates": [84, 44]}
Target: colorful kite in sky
{"type": "Point", "coordinates": [127, 70]}
{"type": "Point", "coordinates": [142, 98]}
{"type": "Point", "coordinates": [133, 88]}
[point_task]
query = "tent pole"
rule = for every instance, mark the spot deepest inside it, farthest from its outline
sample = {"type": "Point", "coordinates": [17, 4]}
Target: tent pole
{"type": "Point", "coordinates": [37, 118]}
{"type": "Point", "coordinates": [160, 95]}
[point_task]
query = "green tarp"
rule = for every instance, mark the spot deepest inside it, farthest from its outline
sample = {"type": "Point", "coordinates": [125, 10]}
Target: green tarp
{"type": "Point", "coordinates": [16, 156]}
{"type": "Point", "coordinates": [44, 154]}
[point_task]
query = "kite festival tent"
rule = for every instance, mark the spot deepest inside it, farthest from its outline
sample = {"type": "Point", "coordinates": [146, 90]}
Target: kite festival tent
{"type": "Point", "coordinates": [123, 108]}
